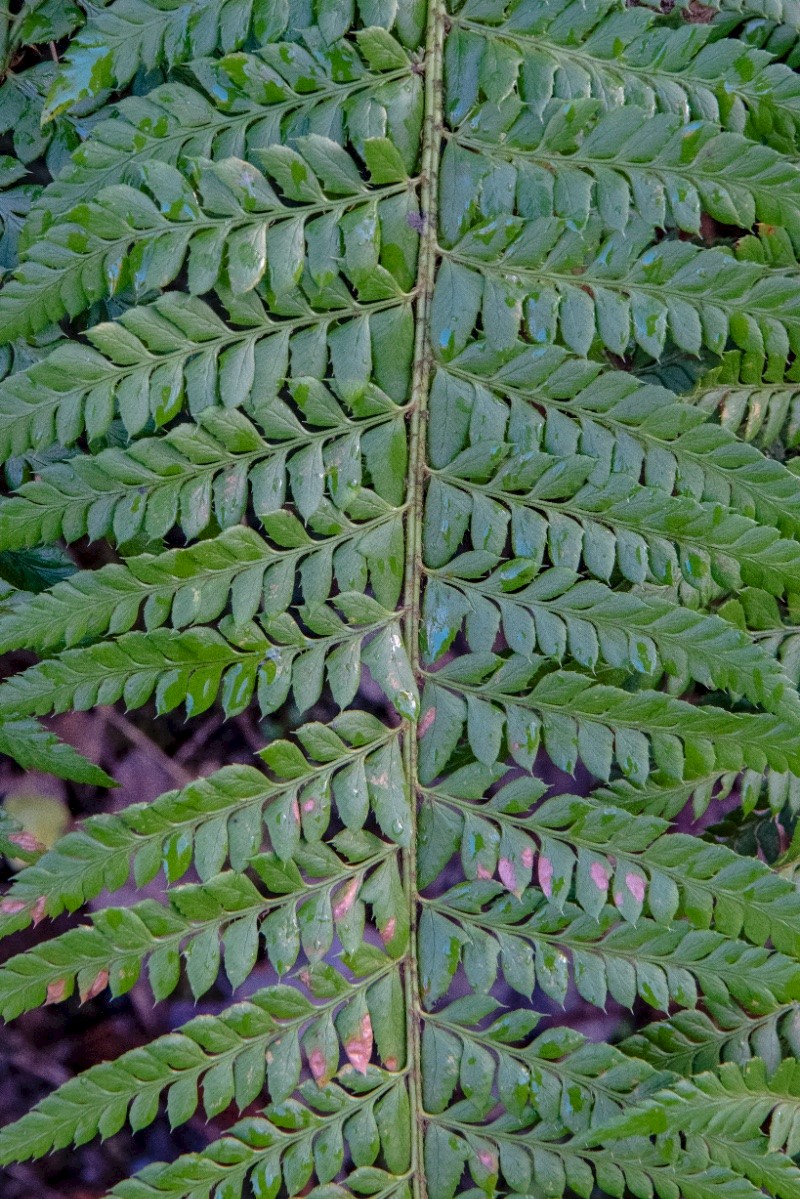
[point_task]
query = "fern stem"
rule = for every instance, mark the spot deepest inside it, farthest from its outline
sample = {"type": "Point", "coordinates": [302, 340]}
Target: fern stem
{"type": "Point", "coordinates": [428, 256]}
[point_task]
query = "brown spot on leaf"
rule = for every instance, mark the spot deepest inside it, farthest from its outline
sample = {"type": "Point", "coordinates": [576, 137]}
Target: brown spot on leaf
{"type": "Point", "coordinates": [359, 1049]}
{"type": "Point", "coordinates": [26, 842]}
{"type": "Point", "coordinates": [56, 991]}
{"type": "Point", "coordinates": [699, 14]}
{"type": "Point", "coordinates": [318, 1067]}
{"type": "Point", "coordinates": [99, 984]}
{"type": "Point", "coordinates": [508, 875]}
{"type": "Point", "coordinates": [345, 899]}
{"type": "Point", "coordinates": [599, 876]}
{"type": "Point", "coordinates": [391, 1063]}
{"type": "Point", "coordinates": [635, 885]}
{"type": "Point", "coordinates": [425, 723]}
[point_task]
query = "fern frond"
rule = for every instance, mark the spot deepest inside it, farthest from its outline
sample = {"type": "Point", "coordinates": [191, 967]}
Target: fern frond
{"type": "Point", "coordinates": [36, 748]}
{"type": "Point", "coordinates": [618, 163]}
{"type": "Point", "coordinates": [177, 352]}
{"type": "Point", "coordinates": [300, 1137]}
{"type": "Point", "coordinates": [755, 408]}
{"type": "Point", "coordinates": [133, 35]}
{"type": "Point", "coordinates": [737, 1103]}
{"type": "Point", "coordinates": [262, 1042]}
{"type": "Point", "coordinates": [252, 101]}
{"type": "Point", "coordinates": [536, 1155]}
{"type": "Point", "coordinates": [210, 471]}
{"type": "Point", "coordinates": [527, 942]}
{"type": "Point", "coordinates": [234, 221]}
{"type": "Point", "coordinates": [602, 855]}
{"type": "Point", "coordinates": [216, 820]}
{"type": "Point", "coordinates": [220, 920]}
{"type": "Point", "coordinates": [355, 383]}
{"type": "Point", "coordinates": [193, 667]}
{"type": "Point", "coordinates": [621, 57]}
{"type": "Point", "coordinates": [784, 11]}
{"type": "Point", "coordinates": [556, 613]}
{"type": "Point", "coordinates": [691, 1041]}
{"type": "Point", "coordinates": [184, 588]}
{"type": "Point", "coordinates": [612, 292]}
{"type": "Point", "coordinates": [609, 415]}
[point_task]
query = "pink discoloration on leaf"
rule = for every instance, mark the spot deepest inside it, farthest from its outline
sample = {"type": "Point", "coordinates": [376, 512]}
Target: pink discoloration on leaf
{"type": "Point", "coordinates": [56, 991]}
{"type": "Point", "coordinates": [11, 907]}
{"type": "Point", "coordinates": [318, 1067]}
{"type": "Point", "coordinates": [345, 899]}
{"type": "Point", "coordinates": [483, 872]}
{"type": "Point", "coordinates": [295, 811]}
{"type": "Point", "coordinates": [359, 1049]}
{"type": "Point", "coordinates": [425, 723]}
{"type": "Point", "coordinates": [546, 876]}
{"type": "Point", "coordinates": [309, 805]}
{"type": "Point", "coordinates": [599, 876]}
{"type": "Point", "coordinates": [26, 842]}
{"type": "Point", "coordinates": [391, 1063]}
{"type": "Point", "coordinates": [635, 884]}
{"type": "Point", "coordinates": [39, 910]}
{"type": "Point", "coordinates": [527, 857]}
{"type": "Point", "coordinates": [388, 930]}
{"type": "Point", "coordinates": [508, 875]}
{"type": "Point", "coordinates": [488, 1160]}
{"type": "Point", "coordinates": [99, 984]}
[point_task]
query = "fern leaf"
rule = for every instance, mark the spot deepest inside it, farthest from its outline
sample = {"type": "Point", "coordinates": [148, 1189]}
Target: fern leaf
{"type": "Point", "coordinates": [608, 955]}
{"type": "Point", "coordinates": [252, 101]}
{"type": "Point", "coordinates": [754, 408]}
{"type": "Point", "coordinates": [785, 11]}
{"type": "Point", "coordinates": [689, 1042]}
{"type": "Point", "coordinates": [603, 855]}
{"type": "Point", "coordinates": [177, 352]}
{"type": "Point", "coordinates": [215, 820]}
{"type": "Point", "coordinates": [610, 416]}
{"type": "Point", "coordinates": [220, 920]}
{"type": "Point", "coordinates": [266, 1040]}
{"type": "Point", "coordinates": [36, 748]}
{"type": "Point", "coordinates": [203, 472]}
{"type": "Point", "coordinates": [625, 57]}
{"type": "Point", "coordinates": [430, 367]}
{"type": "Point", "coordinates": [629, 161]}
{"type": "Point", "coordinates": [738, 1103]}
{"type": "Point", "coordinates": [618, 524]}
{"type": "Point", "coordinates": [133, 35]}
{"type": "Point", "coordinates": [643, 635]}
{"type": "Point", "coordinates": [124, 237]}
{"type": "Point", "coordinates": [291, 1141]}
{"type": "Point", "coordinates": [642, 293]}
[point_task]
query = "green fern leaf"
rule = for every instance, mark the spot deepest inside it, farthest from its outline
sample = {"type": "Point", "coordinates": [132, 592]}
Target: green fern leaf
{"type": "Point", "coordinates": [36, 748]}
{"type": "Point", "coordinates": [428, 369]}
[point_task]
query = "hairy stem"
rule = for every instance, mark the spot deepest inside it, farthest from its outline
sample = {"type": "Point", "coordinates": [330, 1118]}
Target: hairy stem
{"type": "Point", "coordinates": [428, 255]}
